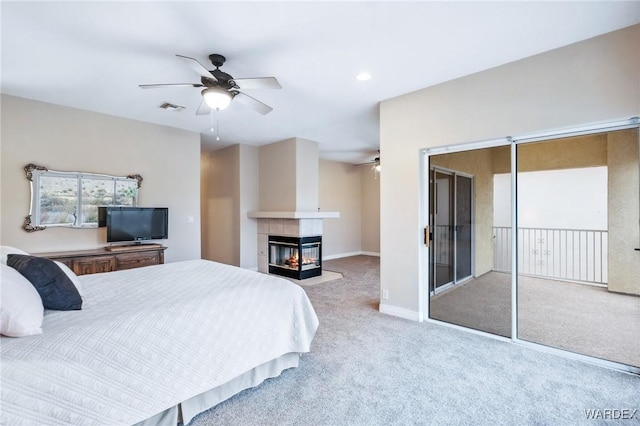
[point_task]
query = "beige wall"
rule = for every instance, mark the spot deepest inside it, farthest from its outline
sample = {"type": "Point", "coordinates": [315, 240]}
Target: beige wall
{"type": "Point", "coordinates": [370, 211]}
{"type": "Point", "coordinates": [623, 212]}
{"type": "Point", "coordinates": [340, 190]}
{"type": "Point", "coordinates": [592, 81]}
{"type": "Point", "coordinates": [277, 182]}
{"type": "Point", "coordinates": [229, 191]}
{"type": "Point", "coordinates": [289, 176]}
{"type": "Point", "coordinates": [220, 205]}
{"type": "Point", "coordinates": [307, 191]}
{"type": "Point", "coordinates": [68, 139]}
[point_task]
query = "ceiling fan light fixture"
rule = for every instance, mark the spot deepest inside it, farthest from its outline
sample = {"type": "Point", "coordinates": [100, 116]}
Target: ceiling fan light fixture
{"type": "Point", "coordinates": [216, 98]}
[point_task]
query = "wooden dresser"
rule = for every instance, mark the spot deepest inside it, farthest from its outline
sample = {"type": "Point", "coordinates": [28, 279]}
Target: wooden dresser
{"type": "Point", "coordinates": [92, 261]}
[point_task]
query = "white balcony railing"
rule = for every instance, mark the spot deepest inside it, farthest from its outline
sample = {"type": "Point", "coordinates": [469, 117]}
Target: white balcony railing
{"type": "Point", "coordinates": [564, 254]}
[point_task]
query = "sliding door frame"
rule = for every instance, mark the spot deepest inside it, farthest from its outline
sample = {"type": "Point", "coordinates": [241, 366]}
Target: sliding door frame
{"type": "Point", "coordinates": [424, 293]}
{"type": "Point", "coordinates": [513, 142]}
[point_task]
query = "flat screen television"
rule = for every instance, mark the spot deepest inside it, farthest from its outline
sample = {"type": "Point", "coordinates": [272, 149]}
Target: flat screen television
{"type": "Point", "coordinates": [136, 223]}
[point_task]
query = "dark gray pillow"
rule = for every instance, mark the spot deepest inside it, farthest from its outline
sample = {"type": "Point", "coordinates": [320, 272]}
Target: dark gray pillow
{"type": "Point", "coordinates": [55, 288]}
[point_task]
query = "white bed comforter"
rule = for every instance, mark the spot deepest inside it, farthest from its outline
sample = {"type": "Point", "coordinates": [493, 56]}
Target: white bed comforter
{"type": "Point", "coordinates": [149, 338]}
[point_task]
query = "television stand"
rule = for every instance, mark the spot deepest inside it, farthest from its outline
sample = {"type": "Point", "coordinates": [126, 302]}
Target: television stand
{"type": "Point", "coordinates": [93, 261]}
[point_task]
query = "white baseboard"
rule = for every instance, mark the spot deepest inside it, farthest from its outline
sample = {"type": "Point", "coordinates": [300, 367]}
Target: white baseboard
{"type": "Point", "coordinates": [370, 253]}
{"type": "Point", "coordinates": [341, 255]}
{"type": "Point", "coordinates": [400, 312]}
{"type": "Point", "coordinates": [353, 253]}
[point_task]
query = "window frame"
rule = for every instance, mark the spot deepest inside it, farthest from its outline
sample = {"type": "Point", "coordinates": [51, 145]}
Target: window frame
{"type": "Point", "coordinates": [36, 175]}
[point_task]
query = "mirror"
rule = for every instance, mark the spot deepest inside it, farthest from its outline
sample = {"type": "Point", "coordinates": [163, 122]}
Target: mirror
{"type": "Point", "coordinates": [71, 199]}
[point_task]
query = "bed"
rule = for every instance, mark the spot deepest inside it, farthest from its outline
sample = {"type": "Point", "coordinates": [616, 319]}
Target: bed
{"type": "Point", "coordinates": [155, 344]}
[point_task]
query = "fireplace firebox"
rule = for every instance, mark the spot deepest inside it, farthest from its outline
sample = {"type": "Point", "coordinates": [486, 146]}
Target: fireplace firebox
{"type": "Point", "coordinates": [295, 257]}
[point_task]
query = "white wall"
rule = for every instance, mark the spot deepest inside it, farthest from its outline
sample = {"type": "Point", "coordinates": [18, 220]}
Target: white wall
{"type": "Point", "coordinates": [554, 199]}
{"type": "Point", "coordinates": [68, 139]}
{"type": "Point", "coordinates": [592, 81]}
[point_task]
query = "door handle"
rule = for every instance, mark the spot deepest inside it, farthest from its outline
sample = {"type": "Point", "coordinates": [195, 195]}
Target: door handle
{"type": "Point", "coordinates": [426, 236]}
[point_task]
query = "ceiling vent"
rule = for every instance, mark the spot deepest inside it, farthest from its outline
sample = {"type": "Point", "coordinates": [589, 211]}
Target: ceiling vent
{"type": "Point", "coordinates": [171, 107]}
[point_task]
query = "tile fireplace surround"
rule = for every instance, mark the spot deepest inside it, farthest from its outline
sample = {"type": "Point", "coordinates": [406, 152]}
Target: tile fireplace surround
{"type": "Point", "coordinates": [283, 228]}
{"type": "Point", "coordinates": [286, 224]}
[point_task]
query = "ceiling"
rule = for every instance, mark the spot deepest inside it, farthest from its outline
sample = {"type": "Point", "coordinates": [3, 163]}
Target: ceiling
{"type": "Point", "coordinates": [93, 55]}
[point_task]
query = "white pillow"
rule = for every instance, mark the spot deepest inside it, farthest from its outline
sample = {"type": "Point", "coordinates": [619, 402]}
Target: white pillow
{"type": "Point", "coordinates": [21, 310]}
{"type": "Point", "coordinates": [5, 250]}
{"type": "Point", "coordinates": [72, 276]}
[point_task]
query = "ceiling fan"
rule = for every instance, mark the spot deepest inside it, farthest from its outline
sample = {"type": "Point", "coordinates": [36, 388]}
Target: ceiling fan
{"type": "Point", "coordinates": [375, 162]}
{"type": "Point", "coordinates": [375, 165]}
{"type": "Point", "coordinates": [220, 88]}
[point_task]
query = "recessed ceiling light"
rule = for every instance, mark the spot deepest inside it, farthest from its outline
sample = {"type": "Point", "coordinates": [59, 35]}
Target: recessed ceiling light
{"type": "Point", "coordinates": [363, 76]}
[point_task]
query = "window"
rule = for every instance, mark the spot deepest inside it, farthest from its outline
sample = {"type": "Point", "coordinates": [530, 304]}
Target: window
{"type": "Point", "coordinates": [72, 199]}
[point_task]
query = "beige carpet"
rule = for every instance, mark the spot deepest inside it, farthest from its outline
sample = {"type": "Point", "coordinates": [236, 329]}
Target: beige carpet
{"type": "Point", "coordinates": [575, 317]}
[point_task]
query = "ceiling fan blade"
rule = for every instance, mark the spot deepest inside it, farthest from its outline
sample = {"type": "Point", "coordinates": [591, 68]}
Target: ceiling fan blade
{"type": "Point", "coordinates": [156, 86]}
{"type": "Point", "coordinates": [197, 67]}
{"type": "Point", "coordinates": [375, 162]}
{"type": "Point", "coordinates": [258, 83]}
{"type": "Point", "coordinates": [203, 109]}
{"type": "Point", "coordinates": [247, 100]}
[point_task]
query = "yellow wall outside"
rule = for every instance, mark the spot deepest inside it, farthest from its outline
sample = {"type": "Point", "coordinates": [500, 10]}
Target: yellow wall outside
{"type": "Point", "coordinates": [568, 153]}
{"type": "Point", "coordinates": [624, 212]}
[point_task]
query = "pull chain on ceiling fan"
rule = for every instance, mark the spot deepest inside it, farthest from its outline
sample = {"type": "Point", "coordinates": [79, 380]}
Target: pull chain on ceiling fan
{"type": "Point", "coordinates": [217, 128]}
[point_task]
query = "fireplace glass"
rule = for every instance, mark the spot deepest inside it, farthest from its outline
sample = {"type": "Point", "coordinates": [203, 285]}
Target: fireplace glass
{"type": "Point", "coordinates": [295, 257]}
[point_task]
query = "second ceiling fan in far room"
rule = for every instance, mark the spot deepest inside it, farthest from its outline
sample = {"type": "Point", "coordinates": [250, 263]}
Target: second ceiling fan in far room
{"type": "Point", "coordinates": [375, 164]}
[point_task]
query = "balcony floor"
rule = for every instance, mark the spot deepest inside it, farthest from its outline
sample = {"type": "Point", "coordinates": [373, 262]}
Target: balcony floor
{"type": "Point", "coordinates": [576, 317]}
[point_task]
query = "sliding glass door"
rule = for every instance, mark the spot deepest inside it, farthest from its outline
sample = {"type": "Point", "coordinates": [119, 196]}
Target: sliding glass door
{"type": "Point", "coordinates": [564, 272]}
{"type": "Point", "coordinates": [578, 275]}
{"type": "Point", "coordinates": [464, 289]}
